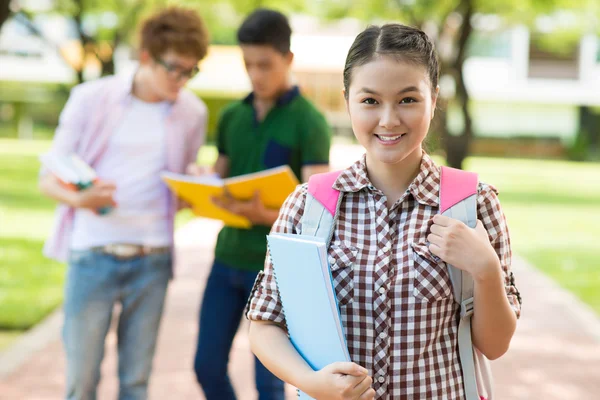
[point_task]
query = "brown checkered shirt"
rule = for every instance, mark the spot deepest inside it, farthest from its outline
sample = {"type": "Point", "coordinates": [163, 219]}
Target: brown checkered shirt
{"type": "Point", "coordinates": [395, 297]}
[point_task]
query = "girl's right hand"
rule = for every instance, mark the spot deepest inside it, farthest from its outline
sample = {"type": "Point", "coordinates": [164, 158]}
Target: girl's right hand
{"type": "Point", "coordinates": [341, 381]}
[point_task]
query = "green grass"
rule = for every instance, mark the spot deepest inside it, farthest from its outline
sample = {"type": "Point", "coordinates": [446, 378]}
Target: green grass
{"type": "Point", "coordinates": [30, 284]}
{"type": "Point", "coordinates": [553, 212]}
{"type": "Point", "coordinates": [7, 337]}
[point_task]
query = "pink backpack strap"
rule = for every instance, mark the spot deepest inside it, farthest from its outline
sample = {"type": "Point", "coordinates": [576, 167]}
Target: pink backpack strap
{"type": "Point", "coordinates": [455, 186]}
{"type": "Point", "coordinates": [458, 200]}
{"type": "Point", "coordinates": [320, 187]}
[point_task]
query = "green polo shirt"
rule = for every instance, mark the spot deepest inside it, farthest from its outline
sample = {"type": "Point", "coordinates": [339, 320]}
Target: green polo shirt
{"type": "Point", "coordinates": [294, 132]}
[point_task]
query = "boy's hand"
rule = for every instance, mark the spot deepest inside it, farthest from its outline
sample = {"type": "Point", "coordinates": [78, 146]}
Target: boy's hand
{"type": "Point", "coordinates": [465, 248]}
{"type": "Point", "coordinates": [253, 209]}
{"type": "Point", "coordinates": [196, 170]}
{"type": "Point", "coordinates": [181, 204]}
{"type": "Point", "coordinates": [341, 381]}
{"type": "Point", "coordinates": [98, 196]}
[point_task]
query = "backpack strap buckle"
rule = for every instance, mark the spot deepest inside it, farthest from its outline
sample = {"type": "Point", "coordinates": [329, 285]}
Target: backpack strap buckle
{"type": "Point", "coordinates": [466, 308]}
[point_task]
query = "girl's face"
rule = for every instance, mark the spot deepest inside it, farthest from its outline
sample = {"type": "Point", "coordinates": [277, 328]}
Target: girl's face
{"type": "Point", "coordinates": [391, 105]}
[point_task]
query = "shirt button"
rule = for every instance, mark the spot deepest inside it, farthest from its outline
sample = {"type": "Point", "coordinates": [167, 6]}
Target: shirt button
{"type": "Point", "coordinates": [382, 290]}
{"type": "Point", "coordinates": [381, 379]}
{"type": "Point", "coordinates": [382, 335]}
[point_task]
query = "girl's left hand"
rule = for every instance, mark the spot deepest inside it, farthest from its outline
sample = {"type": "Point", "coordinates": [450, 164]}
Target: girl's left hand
{"type": "Point", "coordinates": [465, 248]}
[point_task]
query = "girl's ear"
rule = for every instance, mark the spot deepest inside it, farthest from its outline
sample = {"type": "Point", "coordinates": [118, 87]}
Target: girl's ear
{"type": "Point", "coordinates": [434, 98]}
{"type": "Point", "coordinates": [346, 100]}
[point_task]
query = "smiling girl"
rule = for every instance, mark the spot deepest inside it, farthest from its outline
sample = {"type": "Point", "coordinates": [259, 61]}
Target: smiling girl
{"type": "Point", "coordinates": [390, 246]}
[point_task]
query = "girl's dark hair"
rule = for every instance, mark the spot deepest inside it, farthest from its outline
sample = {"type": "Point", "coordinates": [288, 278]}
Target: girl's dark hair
{"type": "Point", "coordinates": [400, 41]}
{"type": "Point", "coordinates": [266, 27]}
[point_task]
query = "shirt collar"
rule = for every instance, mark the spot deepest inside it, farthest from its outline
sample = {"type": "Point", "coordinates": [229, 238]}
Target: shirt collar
{"type": "Point", "coordinates": [424, 188]}
{"type": "Point", "coordinates": [284, 99]}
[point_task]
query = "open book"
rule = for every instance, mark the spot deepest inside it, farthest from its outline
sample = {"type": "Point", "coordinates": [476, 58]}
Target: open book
{"type": "Point", "coordinates": [305, 284]}
{"type": "Point", "coordinates": [72, 172]}
{"type": "Point", "coordinates": [274, 186]}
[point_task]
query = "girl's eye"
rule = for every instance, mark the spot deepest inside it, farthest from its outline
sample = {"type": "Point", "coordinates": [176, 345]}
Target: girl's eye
{"type": "Point", "coordinates": [408, 100]}
{"type": "Point", "coordinates": [369, 101]}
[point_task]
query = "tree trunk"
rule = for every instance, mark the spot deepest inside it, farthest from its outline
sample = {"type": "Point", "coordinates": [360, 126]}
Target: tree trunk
{"type": "Point", "coordinates": [83, 38]}
{"type": "Point", "coordinates": [4, 11]}
{"type": "Point", "coordinates": [108, 67]}
{"type": "Point", "coordinates": [457, 147]}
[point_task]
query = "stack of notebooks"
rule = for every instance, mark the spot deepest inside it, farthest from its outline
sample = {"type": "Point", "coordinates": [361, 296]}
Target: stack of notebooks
{"type": "Point", "coordinates": [301, 269]}
{"type": "Point", "coordinates": [274, 186]}
{"type": "Point", "coordinates": [72, 172]}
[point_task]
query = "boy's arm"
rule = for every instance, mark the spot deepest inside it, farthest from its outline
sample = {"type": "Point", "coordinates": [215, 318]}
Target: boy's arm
{"type": "Point", "coordinates": [221, 166]}
{"type": "Point", "coordinates": [51, 187]}
{"type": "Point", "coordinates": [71, 124]}
{"type": "Point", "coordinates": [98, 196]}
{"type": "Point", "coordinates": [315, 145]}
{"type": "Point", "coordinates": [196, 136]}
{"type": "Point", "coordinates": [310, 170]}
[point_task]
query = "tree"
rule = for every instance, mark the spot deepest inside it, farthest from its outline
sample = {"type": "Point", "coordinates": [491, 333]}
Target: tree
{"type": "Point", "coordinates": [449, 24]}
{"type": "Point", "coordinates": [4, 11]}
{"type": "Point", "coordinates": [103, 25]}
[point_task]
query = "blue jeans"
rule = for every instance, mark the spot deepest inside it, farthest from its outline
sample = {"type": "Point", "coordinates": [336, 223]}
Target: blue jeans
{"type": "Point", "coordinates": [227, 291]}
{"type": "Point", "coordinates": [95, 282]}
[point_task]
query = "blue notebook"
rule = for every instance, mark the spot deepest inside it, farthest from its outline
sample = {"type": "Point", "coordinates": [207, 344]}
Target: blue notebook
{"type": "Point", "coordinates": [308, 298]}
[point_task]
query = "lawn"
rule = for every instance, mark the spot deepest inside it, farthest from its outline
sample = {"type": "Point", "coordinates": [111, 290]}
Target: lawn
{"type": "Point", "coordinates": [30, 285]}
{"type": "Point", "coordinates": [551, 206]}
{"type": "Point", "coordinates": [553, 212]}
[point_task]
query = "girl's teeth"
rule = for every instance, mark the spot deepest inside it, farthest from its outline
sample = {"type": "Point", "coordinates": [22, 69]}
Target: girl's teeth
{"type": "Point", "coordinates": [389, 138]}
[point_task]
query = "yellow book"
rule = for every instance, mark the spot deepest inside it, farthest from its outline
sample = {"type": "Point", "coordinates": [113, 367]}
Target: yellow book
{"type": "Point", "coordinates": [274, 186]}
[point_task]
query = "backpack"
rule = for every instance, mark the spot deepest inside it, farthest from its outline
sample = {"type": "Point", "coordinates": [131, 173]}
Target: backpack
{"type": "Point", "coordinates": [458, 199]}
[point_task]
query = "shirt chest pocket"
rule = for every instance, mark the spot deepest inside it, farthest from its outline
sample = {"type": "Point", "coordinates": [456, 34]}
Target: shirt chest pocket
{"type": "Point", "coordinates": [429, 276]}
{"type": "Point", "coordinates": [341, 263]}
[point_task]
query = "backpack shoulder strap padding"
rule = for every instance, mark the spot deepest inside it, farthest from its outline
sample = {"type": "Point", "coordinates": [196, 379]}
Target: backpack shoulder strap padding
{"type": "Point", "coordinates": [455, 186]}
{"type": "Point", "coordinates": [458, 200]}
{"type": "Point", "coordinates": [320, 186]}
{"type": "Point", "coordinates": [322, 202]}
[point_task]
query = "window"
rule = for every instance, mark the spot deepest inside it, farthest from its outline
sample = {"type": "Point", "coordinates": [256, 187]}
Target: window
{"type": "Point", "coordinates": [550, 59]}
{"type": "Point", "coordinates": [489, 44]}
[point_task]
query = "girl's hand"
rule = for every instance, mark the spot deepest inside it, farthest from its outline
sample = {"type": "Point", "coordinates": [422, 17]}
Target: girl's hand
{"type": "Point", "coordinates": [465, 248]}
{"type": "Point", "coordinates": [340, 381]}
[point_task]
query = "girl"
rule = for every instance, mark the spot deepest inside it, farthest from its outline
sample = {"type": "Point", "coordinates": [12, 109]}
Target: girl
{"type": "Point", "coordinates": [389, 248]}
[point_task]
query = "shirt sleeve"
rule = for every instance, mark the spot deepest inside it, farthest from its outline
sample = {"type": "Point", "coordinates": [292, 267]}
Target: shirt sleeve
{"type": "Point", "coordinates": [491, 215]}
{"type": "Point", "coordinates": [71, 123]}
{"type": "Point", "coordinates": [197, 135]}
{"type": "Point", "coordinates": [264, 303]}
{"type": "Point", "coordinates": [221, 133]}
{"type": "Point", "coordinates": [316, 141]}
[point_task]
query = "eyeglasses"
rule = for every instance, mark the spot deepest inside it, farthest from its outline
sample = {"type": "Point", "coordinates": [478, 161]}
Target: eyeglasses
{"type": "Point", "coordinates": [176, 71]}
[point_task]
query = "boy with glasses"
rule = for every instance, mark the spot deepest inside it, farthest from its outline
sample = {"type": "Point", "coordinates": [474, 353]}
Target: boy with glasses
{"type": "Point", "coordinates": [129, 129]}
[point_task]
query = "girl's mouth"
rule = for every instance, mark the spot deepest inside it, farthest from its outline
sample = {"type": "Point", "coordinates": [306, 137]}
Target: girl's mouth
{"type": "Point", "coordinates": [389, 139]}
